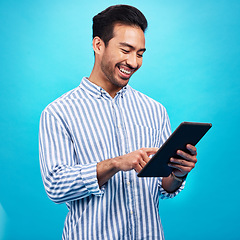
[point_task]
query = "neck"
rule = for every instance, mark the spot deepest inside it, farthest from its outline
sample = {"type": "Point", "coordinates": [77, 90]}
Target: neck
{"type": "Point", "coordinates": [98, 78]}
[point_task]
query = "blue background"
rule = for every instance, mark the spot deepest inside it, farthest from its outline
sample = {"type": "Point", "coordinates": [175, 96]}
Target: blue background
{"type": "Point", "coordinates": [192, 66]}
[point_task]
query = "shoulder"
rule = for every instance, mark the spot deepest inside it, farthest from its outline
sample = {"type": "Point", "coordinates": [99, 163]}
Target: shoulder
{"type": "Point", "coordinates": [63, 103]}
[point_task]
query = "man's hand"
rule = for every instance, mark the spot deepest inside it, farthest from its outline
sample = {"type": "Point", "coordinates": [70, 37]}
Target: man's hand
{"type": "Point", "coordinates": [181, 168]}
{"type": "Point", "coordinates": [187, 162]}
{"type": "Point", "coordinates": [135, 160]}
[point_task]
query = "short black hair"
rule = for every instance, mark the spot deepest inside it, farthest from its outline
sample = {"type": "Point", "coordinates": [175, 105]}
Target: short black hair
{"type": "Point", "coordinates": [103, 22]}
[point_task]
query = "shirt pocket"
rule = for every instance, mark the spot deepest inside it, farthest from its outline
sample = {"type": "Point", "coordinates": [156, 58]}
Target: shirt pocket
{"type": "Point", "coordinates": [144, 137]}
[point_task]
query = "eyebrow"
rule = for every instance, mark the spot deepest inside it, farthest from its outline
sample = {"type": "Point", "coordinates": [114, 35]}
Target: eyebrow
{"type": "Point", "coordinates": [124, 44]}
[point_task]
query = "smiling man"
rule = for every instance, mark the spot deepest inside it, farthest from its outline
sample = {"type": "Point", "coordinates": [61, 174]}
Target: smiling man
{"type": "Point", "coordinates": [117, 60]}
{"type": "Point", "coordinates": [94, 140]}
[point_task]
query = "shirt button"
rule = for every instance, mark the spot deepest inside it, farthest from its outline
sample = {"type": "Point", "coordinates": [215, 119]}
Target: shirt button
{"type": "Point", "coordinates": [131, 212]}
{"type": "Point", "coordinates": [128, 183]}
{"type": "Point", "coordinates": [119, 126]}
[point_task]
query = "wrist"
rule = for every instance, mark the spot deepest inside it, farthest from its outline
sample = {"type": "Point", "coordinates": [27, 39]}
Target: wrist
{"type": "Point", "coordinates": [105, 170]}
{"type": "Point", "coordinates": [115, 164]}
{"type": "Point", "coordinates": [179, 179]}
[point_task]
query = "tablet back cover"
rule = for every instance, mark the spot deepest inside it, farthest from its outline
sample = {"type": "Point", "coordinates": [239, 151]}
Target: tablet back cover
{"type": "Point", "coordinates": [186, 133]}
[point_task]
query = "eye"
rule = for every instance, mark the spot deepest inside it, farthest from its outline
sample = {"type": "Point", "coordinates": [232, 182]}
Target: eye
{"type": "Point", "coordinates": [124, 50]}
{"type": "Point", "coordinates": [139, 55]}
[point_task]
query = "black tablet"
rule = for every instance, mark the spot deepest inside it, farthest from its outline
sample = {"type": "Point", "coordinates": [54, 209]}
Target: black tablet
{"type": "Point", "coordinates": [186, 133]}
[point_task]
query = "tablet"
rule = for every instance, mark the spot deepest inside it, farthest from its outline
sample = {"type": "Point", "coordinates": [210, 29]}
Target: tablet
{"type": "Point", "coordinates": [186, 133]}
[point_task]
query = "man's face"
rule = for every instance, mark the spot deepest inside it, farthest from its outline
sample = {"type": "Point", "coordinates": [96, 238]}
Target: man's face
{"type": "Point", "coordinates": [123, 54]}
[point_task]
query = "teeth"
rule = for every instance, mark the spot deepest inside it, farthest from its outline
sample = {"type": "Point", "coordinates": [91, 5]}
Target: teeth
{"type": "Point", "coordinates": [125, 71]}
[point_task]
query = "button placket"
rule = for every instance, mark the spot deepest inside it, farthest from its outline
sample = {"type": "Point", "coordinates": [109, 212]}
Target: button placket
{"type": "Point", "coordinates": [120, 128]}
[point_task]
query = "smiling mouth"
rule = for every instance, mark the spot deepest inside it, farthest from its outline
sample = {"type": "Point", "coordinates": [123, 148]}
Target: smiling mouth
{"type": "Point", "coordinates": [126, 72]}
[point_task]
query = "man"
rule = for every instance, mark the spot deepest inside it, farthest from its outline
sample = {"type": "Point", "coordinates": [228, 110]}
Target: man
{"type": "Point", "coordinates": [97, 137]}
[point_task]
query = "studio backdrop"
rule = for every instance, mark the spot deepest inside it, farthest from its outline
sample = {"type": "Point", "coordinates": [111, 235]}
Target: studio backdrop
{"type": "Point", "coordinates": [191, 66]}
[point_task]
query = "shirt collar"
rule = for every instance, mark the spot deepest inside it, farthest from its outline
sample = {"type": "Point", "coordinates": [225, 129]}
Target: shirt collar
{"type": "Point", "coordinates": [97, 91]}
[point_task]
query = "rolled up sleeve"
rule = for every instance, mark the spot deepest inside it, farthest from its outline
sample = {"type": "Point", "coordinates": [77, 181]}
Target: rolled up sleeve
{"type": "Point", "coordinates": [89, 177]}
{"type": "Point", "coordinates": [166, 195]}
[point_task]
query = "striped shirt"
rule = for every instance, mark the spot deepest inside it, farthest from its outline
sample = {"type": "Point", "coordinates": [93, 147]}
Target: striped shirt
{"type": "Point", "coordinates": [86, 126]}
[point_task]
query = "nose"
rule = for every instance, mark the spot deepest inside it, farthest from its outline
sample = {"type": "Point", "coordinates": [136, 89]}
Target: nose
{"type": "Point", "coordinates": [132, 60]}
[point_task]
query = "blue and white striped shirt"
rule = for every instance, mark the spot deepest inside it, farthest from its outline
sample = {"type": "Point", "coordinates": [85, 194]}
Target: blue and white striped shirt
{"type": "Point", "coordinates": [86, 126]}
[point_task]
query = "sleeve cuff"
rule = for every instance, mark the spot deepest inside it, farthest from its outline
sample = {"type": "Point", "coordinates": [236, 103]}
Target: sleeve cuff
{"type": "Point", "coordinates": [89, 177]}
{"type": "Point", "coordinates": [166, 195]}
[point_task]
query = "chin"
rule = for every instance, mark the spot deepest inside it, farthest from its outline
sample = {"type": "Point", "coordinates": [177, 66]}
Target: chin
{"type": "Point", "coordinates": [123, 83]}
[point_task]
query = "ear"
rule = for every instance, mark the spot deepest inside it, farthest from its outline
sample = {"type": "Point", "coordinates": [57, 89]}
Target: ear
{"type": "Point", "coordinates": [98, 45]}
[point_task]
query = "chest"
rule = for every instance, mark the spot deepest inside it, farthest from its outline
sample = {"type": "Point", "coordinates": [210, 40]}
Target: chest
{"type": "Point", "coordinates": [106, 129]}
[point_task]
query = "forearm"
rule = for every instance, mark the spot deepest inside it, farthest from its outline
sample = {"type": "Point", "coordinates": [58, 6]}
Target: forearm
{"type": "Point", "coordinates": [135, 160]}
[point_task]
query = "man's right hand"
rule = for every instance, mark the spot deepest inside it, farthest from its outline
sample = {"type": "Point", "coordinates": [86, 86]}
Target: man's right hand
{"type": "Point", "coordinates": [135, 160]}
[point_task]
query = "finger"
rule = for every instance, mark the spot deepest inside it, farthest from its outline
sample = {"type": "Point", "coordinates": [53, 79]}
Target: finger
{"type": "Point", "coordinates": [138, 168]}
{"type": "Point", "coordinates": [183, 169]}
{"type": "Point", "coordinates": [140, 161]}
{"type": "Point", "coordinates": [150, 151]}
{"type": "Point", "coordinates": [187, 156]}
{"type": "Point", "coordinates": [192, 149]}
{"type": "Point", "coordinates": [182, 162]}
{"type": "Point", "coordinates": [144, 158]}
{"type": "Point", "coordinates": [142, 164]}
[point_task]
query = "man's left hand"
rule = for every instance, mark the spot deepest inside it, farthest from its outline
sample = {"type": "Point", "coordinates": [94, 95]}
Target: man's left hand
{"type": "Point", "coordinates": [187, 162]}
